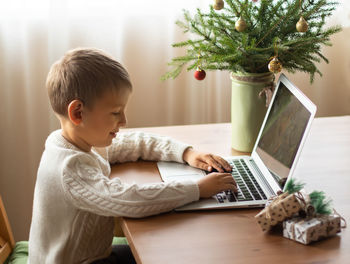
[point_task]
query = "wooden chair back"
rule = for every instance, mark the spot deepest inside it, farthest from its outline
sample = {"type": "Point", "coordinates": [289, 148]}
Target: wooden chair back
{"type": "Point", "coordinates": [7, 242]}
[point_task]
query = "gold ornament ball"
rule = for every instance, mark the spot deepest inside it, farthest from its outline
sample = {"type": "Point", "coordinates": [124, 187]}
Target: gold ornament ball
{"type": "Point", "coordinates": [275, 65]}
{"type": "Point", "coordinates": [240, 25]}
{"type": "Point", "coordinates": [219, 4]}
{"type": "Point", "coordinates": [302, 25]}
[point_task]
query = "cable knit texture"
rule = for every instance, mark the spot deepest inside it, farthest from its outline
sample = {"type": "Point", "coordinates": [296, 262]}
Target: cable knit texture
{"type": "Point", "coordinates": [75, 201]}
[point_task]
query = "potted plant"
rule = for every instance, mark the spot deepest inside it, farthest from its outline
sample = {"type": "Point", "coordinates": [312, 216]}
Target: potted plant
{"type": "Point", "coordinates": [253, 40]}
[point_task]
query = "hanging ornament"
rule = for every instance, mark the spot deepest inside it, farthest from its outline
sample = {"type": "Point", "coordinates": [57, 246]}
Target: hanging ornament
{"type": "Point", "coordinates": [218, 5]}
{"type": "Point", "coordinates": [302, 25]}
{"type": "Point", "coordinates": [275, 65]}
{"type": "Point", "coordinates": [240, 25]}
{"type": "Point", "coordinates": [199, 74]}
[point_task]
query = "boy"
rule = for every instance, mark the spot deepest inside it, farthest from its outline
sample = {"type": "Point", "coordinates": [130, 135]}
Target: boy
{"type": "Point", "coordinates": [75, 202]}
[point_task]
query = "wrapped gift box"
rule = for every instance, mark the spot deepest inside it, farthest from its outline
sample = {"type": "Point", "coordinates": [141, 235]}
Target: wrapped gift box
{"type": "Point", "coordinates": [308, 230]}
{"type": "Point", "coordinates": [282, 207]}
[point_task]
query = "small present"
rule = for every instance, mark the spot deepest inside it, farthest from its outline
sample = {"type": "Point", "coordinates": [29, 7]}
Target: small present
{"type": "Point", "coordinates": [282, 207]}
{"type": "Point", "coordinates": [305, 230]}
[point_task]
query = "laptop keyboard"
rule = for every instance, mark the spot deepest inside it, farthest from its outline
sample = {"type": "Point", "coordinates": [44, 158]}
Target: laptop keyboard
{"type": "Point", "coordinates": [247, 186]}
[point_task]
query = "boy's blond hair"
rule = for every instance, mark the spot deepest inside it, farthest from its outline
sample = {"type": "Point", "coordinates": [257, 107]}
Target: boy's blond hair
{"type": "Point", "coordinates": [84, 74]}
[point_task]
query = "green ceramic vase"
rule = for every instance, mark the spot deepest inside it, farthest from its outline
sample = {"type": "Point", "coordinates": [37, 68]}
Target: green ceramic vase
{"type": "Point", "coordinates": [248, 107]}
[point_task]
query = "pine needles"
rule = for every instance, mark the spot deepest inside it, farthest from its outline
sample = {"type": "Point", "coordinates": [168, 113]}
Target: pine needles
{"type": "Point", "coordinates": [321, 204]}
{"type": "Point", "coordinates": [293, 186]}
{"type": "Point", "coordinates": [270, 22]}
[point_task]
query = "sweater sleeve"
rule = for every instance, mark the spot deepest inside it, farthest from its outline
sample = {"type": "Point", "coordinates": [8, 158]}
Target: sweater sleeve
{"type": "Point", "coordinates": [88, 189]}
{"type": "Point", "coordinates": [131, 146]}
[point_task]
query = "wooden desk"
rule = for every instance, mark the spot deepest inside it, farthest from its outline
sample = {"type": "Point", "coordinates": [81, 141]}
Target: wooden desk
{"type": "Point", "coordinates": [232, 236]}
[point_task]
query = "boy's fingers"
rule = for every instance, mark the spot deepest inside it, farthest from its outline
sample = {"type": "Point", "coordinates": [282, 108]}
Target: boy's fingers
{"type": "Point", "coordinates": [233, 187]}
{"type": "Point", "coordinates": [224, 163]}
{"type": "Point", "coordinates": [230, 187]}
{"type": "Point", "coordinates": [203, 166]}
{"type": "Point", "coordinates": [224, 175]}
{"type": "Point", "coordinates": [229, 179]}
{"type": "Point", "coordinates": [214, 163]}
{"type": "Point", "coordinates": [220, 162]}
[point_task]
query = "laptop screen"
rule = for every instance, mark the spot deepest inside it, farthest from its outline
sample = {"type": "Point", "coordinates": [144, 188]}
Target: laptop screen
{"type": "Point", "coordinates": [282, 133]}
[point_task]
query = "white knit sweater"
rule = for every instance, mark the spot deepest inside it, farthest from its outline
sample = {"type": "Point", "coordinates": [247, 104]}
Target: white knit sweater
{"type": "Point", "coordinates": [75, 202]}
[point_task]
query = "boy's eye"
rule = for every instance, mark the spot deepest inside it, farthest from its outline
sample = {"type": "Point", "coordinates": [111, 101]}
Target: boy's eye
{"type": "Point", "coordinates": [115, 113]}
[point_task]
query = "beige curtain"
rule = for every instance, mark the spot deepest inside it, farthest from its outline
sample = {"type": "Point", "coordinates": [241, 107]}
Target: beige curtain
{"type": "Point", "coordinates": [34, 34]}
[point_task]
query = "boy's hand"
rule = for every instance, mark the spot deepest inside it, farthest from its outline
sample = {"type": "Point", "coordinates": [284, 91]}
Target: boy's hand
{"type": "Point", "coordinates": [206, 161]}
{"type": "Point", "coordinates": [214, 183]}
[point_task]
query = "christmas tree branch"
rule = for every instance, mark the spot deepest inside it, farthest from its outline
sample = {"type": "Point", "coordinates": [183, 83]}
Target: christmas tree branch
{"type": "Point", "coordinates": [270, 30]}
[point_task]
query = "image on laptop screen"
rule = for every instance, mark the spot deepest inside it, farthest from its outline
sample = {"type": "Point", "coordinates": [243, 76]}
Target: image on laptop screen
{"type": "Point", "coordinates": [282, 134]}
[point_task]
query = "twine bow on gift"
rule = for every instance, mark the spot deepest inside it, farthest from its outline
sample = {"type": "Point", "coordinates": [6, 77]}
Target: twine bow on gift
{"type": "Point", "coordinates": [304, 201]}
{"type": "Point", "coordinates": [293, 229]}
{"type": "Point", "coordinates": [341, 218]}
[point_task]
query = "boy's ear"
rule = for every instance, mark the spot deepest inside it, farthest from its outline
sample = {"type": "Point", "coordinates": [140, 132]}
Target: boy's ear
{"type": "Point", "coordinates": [75, 109]}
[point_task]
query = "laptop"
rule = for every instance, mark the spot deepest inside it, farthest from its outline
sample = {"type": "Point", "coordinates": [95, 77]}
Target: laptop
{"type": "Point", "coordinates": [273, 159]}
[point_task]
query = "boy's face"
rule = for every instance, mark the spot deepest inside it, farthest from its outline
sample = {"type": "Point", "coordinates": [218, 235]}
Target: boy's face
{"type": "Point", "coordinates": [101, 123]}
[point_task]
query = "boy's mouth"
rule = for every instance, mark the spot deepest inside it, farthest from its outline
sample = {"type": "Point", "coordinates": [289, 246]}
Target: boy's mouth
{"type": "Point", "coordinates": [114, 133]}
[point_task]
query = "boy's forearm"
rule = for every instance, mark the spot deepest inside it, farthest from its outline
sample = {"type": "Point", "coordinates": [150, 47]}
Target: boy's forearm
{"type": "Point", "coordinates": [146, 146]}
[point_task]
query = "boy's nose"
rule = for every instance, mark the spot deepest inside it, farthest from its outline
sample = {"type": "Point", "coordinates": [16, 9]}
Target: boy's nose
{"type": "Point", "coordinates": [122, 124]}
{"type": "Point", "coordinates": [123, 121]}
